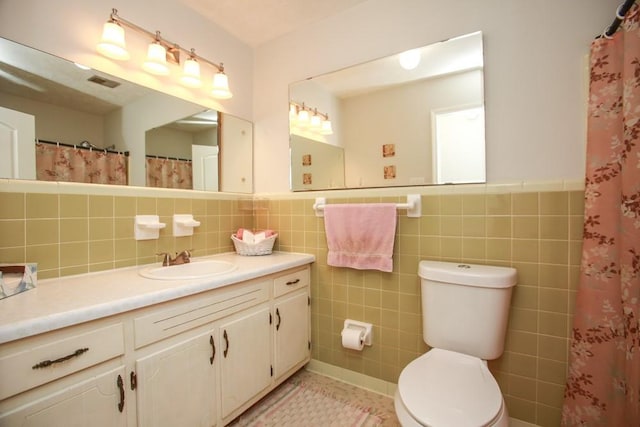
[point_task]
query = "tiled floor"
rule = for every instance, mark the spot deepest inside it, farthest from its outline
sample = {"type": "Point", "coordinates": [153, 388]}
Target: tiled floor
{"type": "Point", "coordinates": [380, 405]}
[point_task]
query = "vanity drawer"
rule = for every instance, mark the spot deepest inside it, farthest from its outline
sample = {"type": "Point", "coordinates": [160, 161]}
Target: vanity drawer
{"type": "Point", "coordinates": [57, 354]}
{"type": "Point", "coordinates": [198, 310]}
{"type": "Point", "coordinates": [291, 281]}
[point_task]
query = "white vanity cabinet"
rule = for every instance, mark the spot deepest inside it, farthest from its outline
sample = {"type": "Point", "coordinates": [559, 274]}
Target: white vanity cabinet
{"type": "Point", "coordinates": [292, 324]}
{"type": "Point", "coordinates": [198, 360]}
{"type": "Point", "coordinates": [245, 362]}
{"type": "Point", "coordinates": [72, 377]}
{"type": "Point", "coordinates": [176, 385]}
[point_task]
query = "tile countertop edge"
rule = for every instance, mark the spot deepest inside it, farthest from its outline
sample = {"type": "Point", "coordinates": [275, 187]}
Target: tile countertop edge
{"type": "Point", "coordinates": [122, 297]}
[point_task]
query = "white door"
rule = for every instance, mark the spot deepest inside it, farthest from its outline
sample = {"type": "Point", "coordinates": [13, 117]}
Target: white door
{"type": "Point", "coordinates": [17, 145]}
{"type": "Point", "coordinates": [204, 160]}
{"type": "Point", "coordinates": [458, 144]}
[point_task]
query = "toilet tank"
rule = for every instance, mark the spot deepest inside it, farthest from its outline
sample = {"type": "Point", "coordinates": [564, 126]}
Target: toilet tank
{"type": "Point", "coordinates": [465, 307]}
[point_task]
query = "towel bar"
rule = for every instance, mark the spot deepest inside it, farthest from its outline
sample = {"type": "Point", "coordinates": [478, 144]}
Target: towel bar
{"type": "Point", "coordinates": [413, 206]}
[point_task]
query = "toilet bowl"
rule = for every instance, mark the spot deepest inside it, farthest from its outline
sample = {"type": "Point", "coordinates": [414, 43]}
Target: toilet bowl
{"type": "Point", "coordinates": [464, 319]}
{"type": "Point", "coordinates": [445, 388]}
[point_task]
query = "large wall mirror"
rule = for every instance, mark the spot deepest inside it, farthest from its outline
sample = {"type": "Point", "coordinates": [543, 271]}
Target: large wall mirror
{"type": "Point", "coordinates": [165, 141]}
{"type": "Point", "coordinates": [416, 118]}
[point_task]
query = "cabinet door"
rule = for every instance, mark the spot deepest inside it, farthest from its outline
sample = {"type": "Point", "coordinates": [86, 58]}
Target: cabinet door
{"type": "Point", "coordinates": [246, 361]}
{"type": "Point", "coordinates": [176, 385]}
{"type": "Point", "coordinates": [96, 402]}
{"type": "Point", "coordinates": [291, 331]}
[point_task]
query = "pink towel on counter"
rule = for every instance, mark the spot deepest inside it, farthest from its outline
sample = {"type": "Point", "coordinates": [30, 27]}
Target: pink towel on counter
{"type": "Point", "coordinates": [360, 236]}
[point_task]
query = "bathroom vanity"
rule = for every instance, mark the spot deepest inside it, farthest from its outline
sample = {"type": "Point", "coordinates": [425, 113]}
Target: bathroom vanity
{"type": "Point", "coordinates": [115, 348]}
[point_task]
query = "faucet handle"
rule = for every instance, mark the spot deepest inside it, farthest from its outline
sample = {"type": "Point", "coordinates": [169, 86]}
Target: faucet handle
{"type": "Point", "coordinates": [166, 258]}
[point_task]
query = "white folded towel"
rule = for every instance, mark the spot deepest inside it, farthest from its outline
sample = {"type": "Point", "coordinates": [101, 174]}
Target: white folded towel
{"type": "Point", "coordinates": [249, 237]}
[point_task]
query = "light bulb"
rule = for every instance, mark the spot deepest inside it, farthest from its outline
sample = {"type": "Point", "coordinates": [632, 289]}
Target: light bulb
{"type": "Point", "coordinates": [156, 62]}
{"type": "Point", "coordinates": [191, 73]}
{"type": "Point", "coordinates": [112, 43]}
{"type": "Point", "coordinates": [326, 128]}
{"type": "Point", "coordinates": [409, 59]}
{"type": "Point", "coordinates": [303, 118]}
{"type": "Point", "coordinates": [220, 87]}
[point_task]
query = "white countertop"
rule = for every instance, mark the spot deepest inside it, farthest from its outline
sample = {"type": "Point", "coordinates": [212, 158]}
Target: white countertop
{"type": "Point", "coordinates": [66, 301]}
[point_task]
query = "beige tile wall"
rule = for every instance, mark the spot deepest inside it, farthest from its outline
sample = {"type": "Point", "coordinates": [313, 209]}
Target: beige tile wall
{"type": "Point", "coordinates": [78, 233]}
{"type": "Point", "coordinates": [539, 233]}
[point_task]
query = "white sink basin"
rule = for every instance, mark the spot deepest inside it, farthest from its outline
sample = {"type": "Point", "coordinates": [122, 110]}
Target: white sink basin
{"type": "Point", "coordinates": [193, 270]}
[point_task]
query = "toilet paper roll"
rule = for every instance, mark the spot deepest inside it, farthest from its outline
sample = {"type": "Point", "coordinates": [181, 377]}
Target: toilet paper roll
{"type": "Point", "coordinates": [353, 338]}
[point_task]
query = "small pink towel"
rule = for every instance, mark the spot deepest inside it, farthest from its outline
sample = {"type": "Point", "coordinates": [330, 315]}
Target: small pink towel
{"type": "Point", "coordinates": [361, 235]}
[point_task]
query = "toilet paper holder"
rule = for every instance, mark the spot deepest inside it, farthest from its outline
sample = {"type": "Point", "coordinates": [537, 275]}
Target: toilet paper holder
{"type": "Point", "coordinates": [363, 326]}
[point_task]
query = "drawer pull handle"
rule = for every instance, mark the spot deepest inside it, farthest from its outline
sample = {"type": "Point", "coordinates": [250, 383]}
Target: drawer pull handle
{"type": "Point", "coordinates": [120, 384]}
{"type": "Point", "coordinates": [213, 349]}
{"type": "Point", "coordinates": [292, 282]}
{"type": "Point", "coordinates": [279, 319]}
{"type": "Point", "coordinates": [46, 363]}
{"type": "Point", "coordinates": [226, 340]}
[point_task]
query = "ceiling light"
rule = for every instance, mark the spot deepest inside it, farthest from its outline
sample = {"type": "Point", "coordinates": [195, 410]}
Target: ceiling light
{"type": "Point", "coordinates": [409, 59]}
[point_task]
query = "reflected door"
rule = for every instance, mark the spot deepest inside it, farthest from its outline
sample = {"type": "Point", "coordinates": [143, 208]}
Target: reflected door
{"type": "Point", "coordinates": [17, 145]}
{"type": "Point", "coordinates": [204, 160]}
{"type": "Point", "coordinates": [459, 149]}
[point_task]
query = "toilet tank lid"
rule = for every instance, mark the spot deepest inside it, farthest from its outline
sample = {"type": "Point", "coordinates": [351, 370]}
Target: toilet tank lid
{"type": "Point", "coordinates": [486, 276]}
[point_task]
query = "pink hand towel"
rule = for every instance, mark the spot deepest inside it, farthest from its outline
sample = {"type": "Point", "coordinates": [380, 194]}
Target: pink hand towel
{"type": "Point", "coordinates": [360, 236]}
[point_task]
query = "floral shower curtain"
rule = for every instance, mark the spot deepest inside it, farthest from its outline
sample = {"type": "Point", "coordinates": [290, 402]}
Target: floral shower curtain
{"type": "Point", "coordinates": [169, 173]}
{"type": "Point", "coordinates": [71, 164]}
{"type": "Point", "coordinates": [603, 384]}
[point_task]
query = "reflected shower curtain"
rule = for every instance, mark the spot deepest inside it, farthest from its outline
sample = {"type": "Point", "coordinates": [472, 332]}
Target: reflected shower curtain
{"type": "Point", "coordinates": [603, 383]}
{"type": "Point", "coordinates": [71, 164]}
{"type": "Point", "coordinates": [169, 173]}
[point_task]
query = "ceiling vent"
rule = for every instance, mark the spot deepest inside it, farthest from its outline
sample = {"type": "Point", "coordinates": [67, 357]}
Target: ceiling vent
{"type": "Point", "coordinates": [104, 82]}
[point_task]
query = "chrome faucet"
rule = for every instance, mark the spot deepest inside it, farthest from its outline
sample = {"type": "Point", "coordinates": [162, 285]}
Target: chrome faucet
{"type": "Point", "coordinates": [181, 258]}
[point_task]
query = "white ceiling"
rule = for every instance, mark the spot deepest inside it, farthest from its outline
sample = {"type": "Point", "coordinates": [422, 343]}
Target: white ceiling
{"type": "Point", "coordinates": [258, 21]}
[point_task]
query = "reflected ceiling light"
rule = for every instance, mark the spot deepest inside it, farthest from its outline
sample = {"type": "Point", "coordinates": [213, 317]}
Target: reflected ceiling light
{"type": "Point", "coordinates": [310, 119]}
{"type": "Point", "coordinates": [303, 117]}
{"type": "Point", "coordinates": [156, 62]}
{"type": "Point", "coordinates": [409, 59]}
{"type": "Point", "coordinates": [160, 54]}
{"type": "Point", "coordinates": [316, 121]}
{"type": "Point", "coordinates": [326, 129]}
{"type": "Point", "coordinates": [191, 71]}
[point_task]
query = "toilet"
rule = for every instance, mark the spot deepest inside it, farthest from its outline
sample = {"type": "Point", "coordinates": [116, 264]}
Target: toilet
{"type": "Point", "coordinates": [465, 308]}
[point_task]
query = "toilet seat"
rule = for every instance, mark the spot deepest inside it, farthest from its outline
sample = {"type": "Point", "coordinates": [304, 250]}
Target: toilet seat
{"type": "Point", "coordinates": [445, 388]}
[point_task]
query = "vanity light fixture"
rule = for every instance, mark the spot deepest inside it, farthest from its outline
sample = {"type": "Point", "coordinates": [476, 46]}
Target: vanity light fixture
{"type": "Point", "coordinates": [160, 54]}
{"type": "Point", "coordinates": [191, 71]}
{"type": "Point", "coordinates": [156, 62]}
{"type": "Point", "coordinates": [310, 119]}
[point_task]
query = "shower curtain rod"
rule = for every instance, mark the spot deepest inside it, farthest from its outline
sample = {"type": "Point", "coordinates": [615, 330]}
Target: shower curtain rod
{"type": "Point", "coordinates": [620, 13]}
{"type": "Point", "coordinates": [62, 144]}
